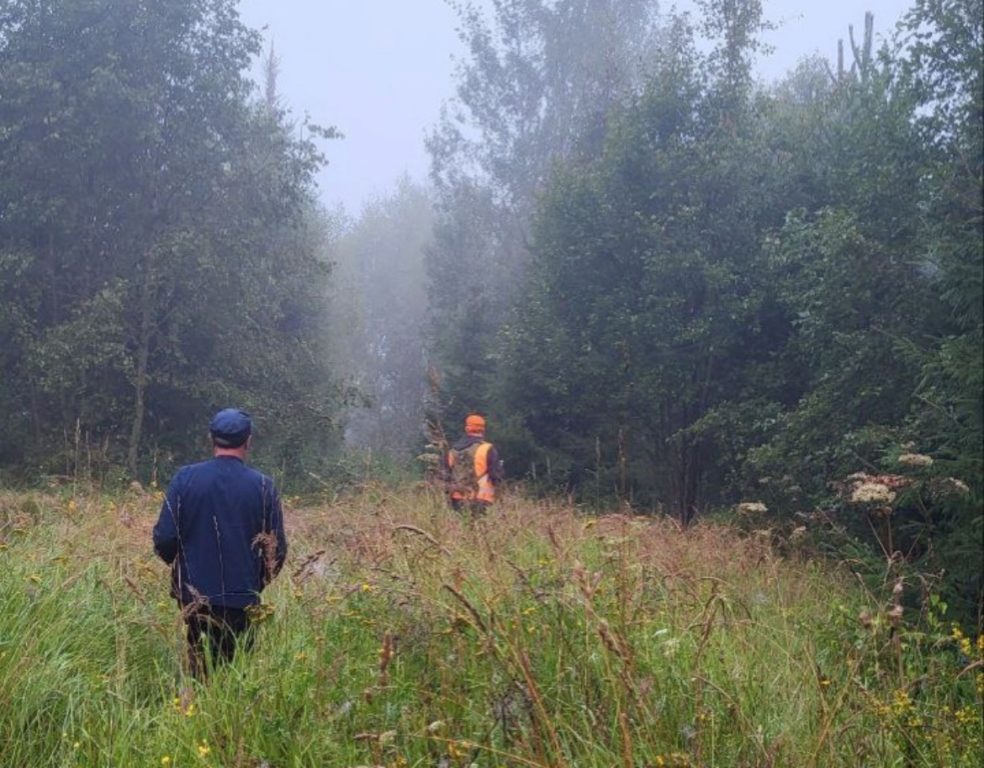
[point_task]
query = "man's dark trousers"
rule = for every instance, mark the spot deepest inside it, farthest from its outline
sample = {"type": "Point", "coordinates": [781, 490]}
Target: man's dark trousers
{"type": "Point", "coordinates": [215, 630]}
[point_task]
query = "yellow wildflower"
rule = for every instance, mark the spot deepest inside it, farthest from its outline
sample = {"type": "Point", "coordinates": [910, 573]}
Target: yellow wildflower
{"type": "Point", "coordinates": [962, 641]}
{"type": "Point", "coordinates": [967, 715]}
{"type": "Point", "coordinates": [901, 702]}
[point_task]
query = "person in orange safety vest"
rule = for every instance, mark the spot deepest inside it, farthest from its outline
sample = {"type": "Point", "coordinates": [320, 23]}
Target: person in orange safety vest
{"type": "Point", "coordinates": [472, 469]}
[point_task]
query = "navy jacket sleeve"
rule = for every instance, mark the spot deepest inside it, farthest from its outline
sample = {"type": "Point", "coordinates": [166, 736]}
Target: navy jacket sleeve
{"type": "Point", "coordinates": [166, 531]}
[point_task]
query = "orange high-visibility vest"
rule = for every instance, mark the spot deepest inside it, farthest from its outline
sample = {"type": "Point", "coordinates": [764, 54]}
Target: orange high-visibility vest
{"type": "Point", "coordinates": [485, 490]}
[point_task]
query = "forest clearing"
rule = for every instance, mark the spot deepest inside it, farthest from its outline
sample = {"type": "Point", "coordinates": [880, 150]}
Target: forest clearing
{"type": "Point", "coordinates": [691, 342]}
{"type": "Point", "coordinates": [403, 635]}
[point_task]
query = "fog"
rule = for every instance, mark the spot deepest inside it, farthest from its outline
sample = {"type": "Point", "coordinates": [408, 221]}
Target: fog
{"type": "Point", "coordinates": [601, 337]}
{"type": "Point", "coordinates": [381, 69]}
{"type": "Point", "coordinates": [382, 72]}
{"type": "Point", "coordinates": [666, 255]}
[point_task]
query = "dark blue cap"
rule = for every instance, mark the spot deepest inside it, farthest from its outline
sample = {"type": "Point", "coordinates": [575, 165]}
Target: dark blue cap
{"type": "Point", "coordinates": [230, 428]}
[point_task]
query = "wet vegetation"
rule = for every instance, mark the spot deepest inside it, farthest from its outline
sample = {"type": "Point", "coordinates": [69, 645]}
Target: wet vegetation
{"type": "Point", "coordinates": [728, 336]}
{"type": "Point", "coordinates": [404, 635]}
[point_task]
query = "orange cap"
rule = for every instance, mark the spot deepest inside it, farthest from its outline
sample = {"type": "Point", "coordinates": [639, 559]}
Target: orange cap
{"type": "Point", "coordinates": [474, 424]}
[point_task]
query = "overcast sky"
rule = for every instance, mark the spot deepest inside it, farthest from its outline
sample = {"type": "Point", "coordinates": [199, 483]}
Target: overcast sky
{"type": "Point", "coordinates": [380, 69]}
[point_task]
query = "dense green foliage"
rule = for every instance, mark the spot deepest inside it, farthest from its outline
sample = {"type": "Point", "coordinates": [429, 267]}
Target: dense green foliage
{"type": "Point", "coordinates": [537, 87]}
{"type": "Point", "coordinates": [662, 281]}
{"type": "Point", "coordinates": [669, 288]}
{"type": "Point", "coordinates": [746, 292]}
{"type": "Point", "coordinates": [402, 636]}
{"type": "Point", "coordinates": [158, 246]}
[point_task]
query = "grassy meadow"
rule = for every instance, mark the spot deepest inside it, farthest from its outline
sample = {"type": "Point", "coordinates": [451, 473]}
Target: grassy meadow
{"type": "Point", "coordinates": [401, 635]}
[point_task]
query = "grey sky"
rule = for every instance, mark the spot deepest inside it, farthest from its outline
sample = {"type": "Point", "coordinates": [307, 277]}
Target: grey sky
{"type": "Point", "coordinates": [380, 69]}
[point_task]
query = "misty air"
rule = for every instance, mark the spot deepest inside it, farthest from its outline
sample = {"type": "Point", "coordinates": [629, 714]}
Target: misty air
{"type": "Point", "coordinates": [491, 383]}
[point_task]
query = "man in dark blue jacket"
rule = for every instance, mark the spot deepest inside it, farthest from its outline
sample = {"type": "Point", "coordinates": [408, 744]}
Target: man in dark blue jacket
{"type": "Point", "coordinates": [221, 529]}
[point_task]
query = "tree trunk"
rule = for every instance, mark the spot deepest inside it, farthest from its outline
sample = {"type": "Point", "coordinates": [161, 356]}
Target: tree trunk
{"type": "Point", "coordinates": [136, 426]}
{"type": "Point", "coordinates": [143, 364]}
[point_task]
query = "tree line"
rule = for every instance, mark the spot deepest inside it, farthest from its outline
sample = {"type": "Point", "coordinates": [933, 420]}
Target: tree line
{"type": "Point", "coordinates": [161, 251]}
{"type": "Point", "coordinates": [673, 285]}
{"type": "Point", "coordinates": [663, 281]}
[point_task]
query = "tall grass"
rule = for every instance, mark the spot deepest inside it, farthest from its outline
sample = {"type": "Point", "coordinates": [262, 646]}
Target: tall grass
{"type": "Point", "coordinates": [403, 635]}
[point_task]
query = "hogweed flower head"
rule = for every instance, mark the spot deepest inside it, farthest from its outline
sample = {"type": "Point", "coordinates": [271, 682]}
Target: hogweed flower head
{"type": "Point", "coordinates": [915, 460]}
{"type": "Point", "coordinates": [752, 508]}
{"type": "Point", "coordinates": [872, 493]}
